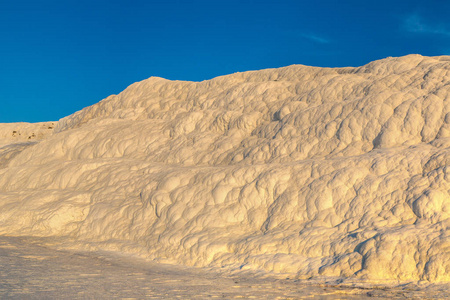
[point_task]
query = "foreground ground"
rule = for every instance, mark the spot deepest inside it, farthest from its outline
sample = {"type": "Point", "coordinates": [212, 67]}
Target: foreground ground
{"type": "Point", "coordinates": [30, 270]}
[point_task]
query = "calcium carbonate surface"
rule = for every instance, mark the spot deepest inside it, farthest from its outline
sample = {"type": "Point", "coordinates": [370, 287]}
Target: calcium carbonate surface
{"type": "Point", "coordinates": [314, 172]}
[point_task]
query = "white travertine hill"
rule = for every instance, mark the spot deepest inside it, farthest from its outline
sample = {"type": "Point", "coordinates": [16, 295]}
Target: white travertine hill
{"type": "Point", "coordinates": [310, 171]}
{"type": "Point", "coordinates": [13, 133]}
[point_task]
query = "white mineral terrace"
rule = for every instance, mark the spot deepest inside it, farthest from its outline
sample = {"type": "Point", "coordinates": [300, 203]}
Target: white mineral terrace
{"type": "Point", "coordinates": [315, 174]}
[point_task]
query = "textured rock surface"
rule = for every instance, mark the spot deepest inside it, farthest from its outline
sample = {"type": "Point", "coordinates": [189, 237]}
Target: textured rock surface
{"type": "Point", "coordinates": [309, 171]}
{"type": "Point", "coordinates": [11, 133]}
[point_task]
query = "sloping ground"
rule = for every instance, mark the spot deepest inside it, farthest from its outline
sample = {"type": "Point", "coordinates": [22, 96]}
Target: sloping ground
{"type": "Point", "coordinates": [30, 270]}
{"type": "Point", "coordinates": [302, 170]}
{"type": "Point", "coordinates": [13, 133]}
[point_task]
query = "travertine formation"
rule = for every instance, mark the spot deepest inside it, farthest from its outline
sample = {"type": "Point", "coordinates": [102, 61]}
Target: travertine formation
{"type": "Point", "coordinates": [310, 171]}
{"type": "Point", "coordinates": [14, 133]}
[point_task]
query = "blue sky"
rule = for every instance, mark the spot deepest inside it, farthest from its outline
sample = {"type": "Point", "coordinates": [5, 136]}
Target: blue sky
{"type": "Point", "coordinates": [57, 57]}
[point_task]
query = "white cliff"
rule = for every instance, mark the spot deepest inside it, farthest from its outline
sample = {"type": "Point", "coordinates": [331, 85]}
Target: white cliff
{"type": "Point", "coordinates": [310, 171]}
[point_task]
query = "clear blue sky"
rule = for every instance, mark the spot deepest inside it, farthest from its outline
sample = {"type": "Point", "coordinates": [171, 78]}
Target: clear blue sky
{"type": "Point", "coordinates": [57, 57]}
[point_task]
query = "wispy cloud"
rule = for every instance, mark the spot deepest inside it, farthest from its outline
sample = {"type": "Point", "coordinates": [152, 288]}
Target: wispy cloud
{"type": "Point", "coordinates": [416, 24]}
{"type": "Point", "coordinates": [315, 38]}
{"type": "Point", "coordinates": [306, 35]}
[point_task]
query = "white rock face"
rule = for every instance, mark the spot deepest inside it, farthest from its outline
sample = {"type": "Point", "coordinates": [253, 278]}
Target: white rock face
{"type": "Point", "coordinates": [14, 133]}
{"type": "Point", "coordinates": [309, 171]}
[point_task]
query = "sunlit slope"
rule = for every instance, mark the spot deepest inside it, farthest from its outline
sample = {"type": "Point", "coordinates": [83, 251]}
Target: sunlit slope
{"type": "Point", "coordinates": [302, 170]}
{"type": "Point", "coordinates": [15, 133]}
